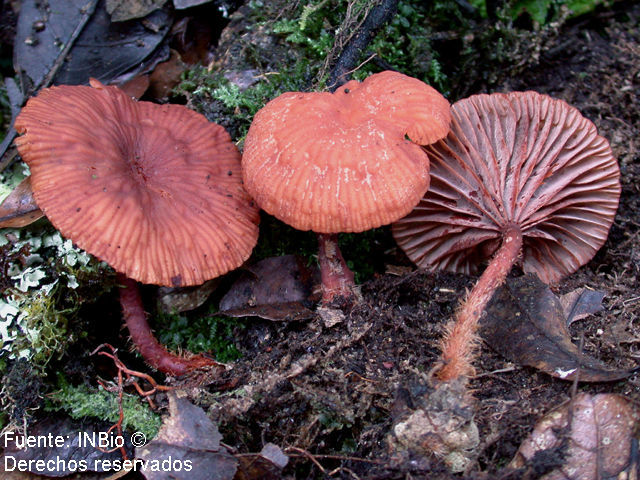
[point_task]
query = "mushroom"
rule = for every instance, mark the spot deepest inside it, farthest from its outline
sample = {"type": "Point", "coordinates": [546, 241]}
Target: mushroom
{"type": "Point", "coordinates": [153, 190]}
{"type": "Point", "coordinates": [520, 175]}
{"type": "Point", "coordinates": [345, 161]}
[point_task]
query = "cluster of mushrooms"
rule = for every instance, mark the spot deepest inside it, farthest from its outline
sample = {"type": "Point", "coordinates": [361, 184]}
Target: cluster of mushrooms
{"type": "Point", "coordinates": [164, 196]}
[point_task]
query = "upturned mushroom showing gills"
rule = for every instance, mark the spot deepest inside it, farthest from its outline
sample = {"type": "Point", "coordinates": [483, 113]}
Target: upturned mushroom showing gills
{"type": "Point", "coordinates": [346, 161]}
{"type": "Point", "coordinates": [520, 176]}
{"type": "Point", "coordinates": [153, 190]}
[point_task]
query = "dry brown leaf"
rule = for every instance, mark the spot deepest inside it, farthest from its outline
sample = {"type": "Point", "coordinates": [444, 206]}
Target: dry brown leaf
{"type": "Point", "coordinates": [595, 435]}
{"type": "Point", "coordinates": [525, 322]}
{"type": "Point", "coordinates": [266, 465]}
{"type": "Point", "coordinates": [276, 288]}
{"type": "Point", "coordinates": [184, 299]}
{"type": "Point", "coordinates": [126, 10]}
{"type": "Point", "coordinates": [580, 303]}
{"type": "Point", "coordinates": [19, 208]}
{"type": "Point", "coordinates": [187, 447]}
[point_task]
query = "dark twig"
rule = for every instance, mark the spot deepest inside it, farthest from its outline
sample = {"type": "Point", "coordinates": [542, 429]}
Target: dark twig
{"type": "Point", "coordinates": [350, 56]}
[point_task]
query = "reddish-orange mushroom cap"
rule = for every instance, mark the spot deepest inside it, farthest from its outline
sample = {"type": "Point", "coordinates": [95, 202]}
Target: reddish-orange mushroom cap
{"type": "Point", "coordinates": [153, 190]}
{"type": "Point", "coordinates": [521, 159]}
{"type": "Point", "coordinates": [341, 162]}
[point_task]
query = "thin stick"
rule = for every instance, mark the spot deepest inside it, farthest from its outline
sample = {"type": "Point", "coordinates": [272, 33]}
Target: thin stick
{"type": "Point", "coordinates": [310, 457]}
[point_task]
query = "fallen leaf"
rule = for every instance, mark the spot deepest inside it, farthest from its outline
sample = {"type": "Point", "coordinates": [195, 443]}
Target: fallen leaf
{"type": "Point", "coordinates": [242, 79]}
{"type": "Point", "coordinates": [43, 29]}
{"type": "Point", "coordinates": [136, 87]}
{"type": "Point", "coordinates": [276, 288]}
{"type": "Point", "coordinates": [266, 465]}
{"type": "Point", "coordinates": [121, 10]}
{"type": "Point", "coordinates": [166, 76]}
{"type": "Point", "coordinates": [182, 4]}
{"type": "Point", "coordinates": [182, 299]}
{"type": "Point", "coordinates": [595, 437]}
{"type": "Point", "coordinates": [186, 447]}
{"type": "Point", "coordinates": [581, 303]}
{"type": "Point", "coordinates": [525, 323]}
{"type": "Point", "coordinates": [16, 99]}
{"type": "Point", "coordinates": [195, 37]}
{"type": "Point", "coordinates": [330, 316]}
{"type": "Point", "coordinates": [106, 50]}
{"type": "Point", "coordinates": [102, 49]}
{"type": "Point", "coordinates": [65, 450]}
{"type": "Point", "coordinates": [19, 208]}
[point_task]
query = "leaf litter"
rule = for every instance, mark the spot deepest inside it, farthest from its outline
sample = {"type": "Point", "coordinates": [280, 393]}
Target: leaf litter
{"type": "Point", "coordinates": [596, 437]}
{"type": "Point", "coordinates": [526, 323]}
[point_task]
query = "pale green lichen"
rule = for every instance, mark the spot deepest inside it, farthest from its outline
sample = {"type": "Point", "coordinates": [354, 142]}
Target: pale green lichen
{"type": "Point", "coordinates": [33, 322]}
{"type": "Point", "coordinates": [10, 178]}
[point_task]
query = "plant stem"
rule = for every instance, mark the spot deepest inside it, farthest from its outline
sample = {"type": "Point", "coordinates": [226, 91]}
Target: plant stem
{"type": "Point", "coordinates": [458, 345]}
{"type": "Point", "coordinates": [154, 353]}
{"type": "Point", "coordinates": [337, 280]}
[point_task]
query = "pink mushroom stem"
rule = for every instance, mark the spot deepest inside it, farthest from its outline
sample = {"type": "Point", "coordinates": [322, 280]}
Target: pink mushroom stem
{"type": "Point", "coordinates": [154, 353]}
{"type": "Point", "coordinates": [458, 344]}
{"type": "Point", "coordinates": [337, 279]}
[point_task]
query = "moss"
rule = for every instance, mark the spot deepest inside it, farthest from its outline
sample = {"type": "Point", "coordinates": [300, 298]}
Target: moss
{"type": "Point", "coordinates": [228, 104]}
{"type": "Point", "coordinates": [363, 251]}
{"type": "Point", "coordinates": [309, 30]}
{"type": "Point", "coordinates": [544, 12]}
{"type": "Point", "coordinates": [198, 333]}
{"type": "Point", "coordinates": [45, 332]}
{"type": "Point", "coordinates": [81, 401]}
{"type": "Point", "coordinates": [406, 45]}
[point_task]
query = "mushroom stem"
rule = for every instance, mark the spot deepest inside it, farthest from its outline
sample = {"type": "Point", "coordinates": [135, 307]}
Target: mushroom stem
{"type": "Point", "coordinates": [154, 353]}
{"type": "Point", "coordinates": [459, 342]}
{"type": "Point", "coordinates": [337, 279]}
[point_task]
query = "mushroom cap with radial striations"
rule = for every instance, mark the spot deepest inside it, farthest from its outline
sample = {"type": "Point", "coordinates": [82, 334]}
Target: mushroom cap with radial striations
{"type": "Point", "coordinates": [520, 158]}
{"type": "Point", "coordinates": [153, 190]}
{"type": "Point", "coordinates": [341, 162]}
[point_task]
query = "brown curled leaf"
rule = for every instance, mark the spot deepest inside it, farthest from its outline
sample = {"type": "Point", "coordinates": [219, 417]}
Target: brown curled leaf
{"type": "Point", "coordinates": [595, 437]}
{"type": "Point", "coordinates": [19, 209]}
{"type": "Point", "coordinates": [581, 303]}
{"type": "Point", "coordinates": [525, 323]}
{"type": "Point", "coordinates": [276, 288]}
{"type": "Point", "coordinates": [187, 437]}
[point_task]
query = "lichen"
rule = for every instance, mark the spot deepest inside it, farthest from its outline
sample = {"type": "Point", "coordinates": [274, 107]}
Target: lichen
{"type": "Point", "coordinates": [11, 176]}
{"type": "Point", "coordinates": [41, 273]}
